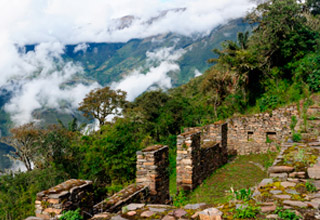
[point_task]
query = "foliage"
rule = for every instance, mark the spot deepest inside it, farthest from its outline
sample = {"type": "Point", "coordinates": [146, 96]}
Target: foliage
{"type": "Point", "coordinates": [287, 214]}
{"type": "Point", "coordinates": [24, 141]}
{"type": "Point", "coordinates": [180, 199]}
{"type": "Point", "coordinates": [18, 191]}
{"type": "Point", "coordinates": [243, 194]}
{"type": "Point", "coordinates": [246, 212]}
{"type": "Point", "coordinates": [311, 187]}
{"type": "Point", "coordinates": [293, 123]}
{"type": "Point", "coordinates": [71, 215]}
{"type": "Point", "coordinates": [296, 137]}
{"type": "Point", "coordinates": [100, 103]}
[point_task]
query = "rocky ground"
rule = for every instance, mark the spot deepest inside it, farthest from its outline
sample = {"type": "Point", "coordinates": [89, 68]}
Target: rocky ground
{"type": "Point", "coordinates": [291, 192]}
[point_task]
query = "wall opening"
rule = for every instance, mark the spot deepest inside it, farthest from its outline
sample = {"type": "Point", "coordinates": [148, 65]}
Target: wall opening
{"type": "Point", "coordinates": [250, 136]}
{"type": "Point", "coordinates": [271, 137]}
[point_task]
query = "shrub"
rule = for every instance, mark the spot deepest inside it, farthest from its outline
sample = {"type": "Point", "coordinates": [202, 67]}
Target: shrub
{"type": "Point", "coordinates": [296, 137]}
{"type": "Point", "coordinates": [71, 215]}
{"type": "Point", "coordinates": [180, 199]}
{"type": "Point", "coordinates": [247, 212]}
{"type": "Point", "coordinates": [287, 214]}
{"type": "Point", "coordinates": [243, 194]}
{"type": "Point", "coordinates": [311, 187]}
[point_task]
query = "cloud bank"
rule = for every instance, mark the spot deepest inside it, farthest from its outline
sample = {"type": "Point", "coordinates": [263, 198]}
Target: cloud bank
{"type": "Point", "coordinates": [41, 78]}
{"type": "Point", "coordinates": [159, 63]}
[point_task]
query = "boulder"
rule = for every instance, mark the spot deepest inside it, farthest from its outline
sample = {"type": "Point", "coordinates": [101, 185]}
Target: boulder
{"type": "Point", "coordinates": [210, 214]}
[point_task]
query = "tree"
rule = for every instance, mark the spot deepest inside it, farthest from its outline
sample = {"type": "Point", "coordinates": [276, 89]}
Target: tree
{"type": "Point", "coordinates": [24, 140]}
{"type": "Point", "coordinates": [100, 103]}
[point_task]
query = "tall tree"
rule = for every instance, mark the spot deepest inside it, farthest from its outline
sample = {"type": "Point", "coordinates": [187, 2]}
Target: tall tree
{"type": "Point", "coordinates": [24, 140]}
{"type": "Point", "coordinates": [100, 103]}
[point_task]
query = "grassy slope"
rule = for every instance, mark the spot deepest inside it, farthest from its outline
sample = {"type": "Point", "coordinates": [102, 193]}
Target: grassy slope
{"type": "Point", "coordinates": [240, 173]}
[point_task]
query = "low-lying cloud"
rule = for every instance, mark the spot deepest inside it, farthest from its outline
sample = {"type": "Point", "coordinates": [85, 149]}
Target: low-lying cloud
{"type": "Point", "coordinates": [160, 63]}
{"type": "Point", "coordinates": [41, 78]}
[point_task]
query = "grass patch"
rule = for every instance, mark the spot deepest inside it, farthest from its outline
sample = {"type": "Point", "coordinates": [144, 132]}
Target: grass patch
{"type": "Point", "coordinates": [241, 173]}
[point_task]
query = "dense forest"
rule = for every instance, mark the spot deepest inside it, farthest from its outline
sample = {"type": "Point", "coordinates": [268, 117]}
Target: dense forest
{"type": "Point", "coordinates": [277, 64]}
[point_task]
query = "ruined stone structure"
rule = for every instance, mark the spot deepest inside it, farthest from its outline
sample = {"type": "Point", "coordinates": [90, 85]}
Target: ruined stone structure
{"type": "Point", "coordinates": [152, 171]}
{"type": "Point", "coordinates": [69, 195]}
{"type": "Point", "coordinates": [197, 159]}
{"type": "Point", "coordinates": [252, 134]}
{"type": "Point", "coordinates": [152, 182]}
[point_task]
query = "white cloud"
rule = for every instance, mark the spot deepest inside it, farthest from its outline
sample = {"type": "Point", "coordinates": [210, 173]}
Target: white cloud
{"type": "Point", "coordinates": [75, 21]}
{"type": "Point", "coordinates": [160, 63]}
{"type": "Point", "coordinates": [197, 73]}
{"type": "Point", "coordinates": [40, 78]}
{"type": "Point", "coordinates": [44, 83]}
{"type": "Point", "coordinates": [81, 47]}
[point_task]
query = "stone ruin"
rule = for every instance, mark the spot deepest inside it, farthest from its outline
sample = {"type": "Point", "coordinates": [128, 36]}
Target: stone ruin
{"type": "Point", "coordinates": [200, 151]}
{"type": "Point", "coordinates": [197, 159]}
{"type": "Point", "coordinates": [69, 195]}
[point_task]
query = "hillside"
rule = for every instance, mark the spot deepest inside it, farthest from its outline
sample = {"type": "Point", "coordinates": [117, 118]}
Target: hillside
{"type": "Point", "coordinates": [110, 62]}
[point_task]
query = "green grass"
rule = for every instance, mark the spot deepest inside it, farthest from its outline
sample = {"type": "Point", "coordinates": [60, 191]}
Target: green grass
{"type": "Point", "coordinates": [239, 174]}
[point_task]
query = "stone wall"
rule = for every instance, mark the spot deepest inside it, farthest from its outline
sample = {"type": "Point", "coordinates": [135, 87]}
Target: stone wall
{"type": "Point", "coordinates": [69, 195]}
{"type": "Point", "coordinates": [152, 182]}
{"type": "Point", "coordinates": [252, 134]}
{"type": "Point", "coordinates": [131, 194]}
{"type": "Point", "coordinates": [153, 171]}
{"type": "Point", "coordinates": [197, 158]}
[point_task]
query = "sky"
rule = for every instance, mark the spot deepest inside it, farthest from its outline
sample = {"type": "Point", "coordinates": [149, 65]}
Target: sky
{"type": "Point", "coordinates": [38, 79]}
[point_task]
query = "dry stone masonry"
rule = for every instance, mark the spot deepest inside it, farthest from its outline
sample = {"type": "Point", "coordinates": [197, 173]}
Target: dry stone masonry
{"type": "Point", "coordinates": [257, 133]}
{"type": "Point", "coordinates": [152, 171]}
{"type": "Point", "coordinates": [197, 159]}
{"type": "Point", "coordinates": [69, 195]}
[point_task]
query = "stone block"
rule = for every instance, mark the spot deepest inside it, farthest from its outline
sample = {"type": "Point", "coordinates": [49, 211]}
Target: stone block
{"type": "Point", "coordinates": [314, 172]}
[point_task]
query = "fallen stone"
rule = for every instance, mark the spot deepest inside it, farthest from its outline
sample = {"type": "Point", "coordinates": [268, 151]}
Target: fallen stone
{"type": "Point", "coordinates": [282, 196]}
{"type": "Point", "coordinates": [179, 213]}
{"type": "Point", "coordinates": [210, 214]}
{"type": "Point", "coordinates": [147, 214]}
{"type": "Point", "coordinates": [275, 192]}
{"type": "Point", "coordinates": [295, 203]}
{"type": "Point", "coordinates": [298, 175]}
{"type": "Point", "coordinates": [265, 209]}
{"type": "Point", "coordinates": [280, 176]}
{"type": "Point", "coordinates": [314, 172]}
{"type": "Point", "coordinates": [280, 169]}
{"type": "Point", "coordinates": [131, 213]}
{"type": "Point", "coordinates": [33, 218]}
{"type": "Point", "coordinates": [292, 191]}
{"type": "Point", "coordinates": [118, 217]}
{"type": "Point", "coordinates": [288, 184]}
{"type": "Point", "coordinates": [272, 216]}
{"type": "Point", "coordinates": [168, 217]}
{"type": "Point", "coordinates": [195, 206]}
{"type": "Point", "coordinates": [195, 215]}
{"type": "Point", "coordinates": [103, 215]}
{"type": "Point", "coordinates": [134, 206]}
{"type": "Point", "coordinates": [265, 182]}
{"type": "Point", "coordinates": [157, 209]}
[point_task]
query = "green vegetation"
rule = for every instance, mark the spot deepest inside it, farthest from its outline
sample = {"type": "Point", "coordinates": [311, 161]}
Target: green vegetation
{"type": "Point", "coordinates": [237, 174]}
{"type": "Point", "coordinates": [180, 200]}
{"type": "Point", "coordinates": [311, 187]}
{"type": "Point", "coordinates": [276, 65]}
{"type": "Point", "coordinates": [71, 215]}
{"type": "Point", "coordinates": [246, 212]}
{"type": "Point", "coordinates": [286, 214]}
{"type": "Point", "coordinates": [243, 194]}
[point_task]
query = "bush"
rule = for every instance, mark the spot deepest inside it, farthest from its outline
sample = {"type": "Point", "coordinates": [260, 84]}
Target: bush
{"type": "Point", "coordinates": [287, 214]}
{"type": "Point", "coordinates": [243, 194]}
{"type": "Point", "coordinates": [71, 215]}
{"type": "Point", "coordinates": [247, 212]}
{"type": "Point", "coordinates": [296, 137]}
{"type": "Point", "coordinates": [180, 199]}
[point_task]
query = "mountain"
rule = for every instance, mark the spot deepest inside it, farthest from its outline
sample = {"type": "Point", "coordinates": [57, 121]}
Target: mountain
{"type": "Point", "coordinates": [110, 62]}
